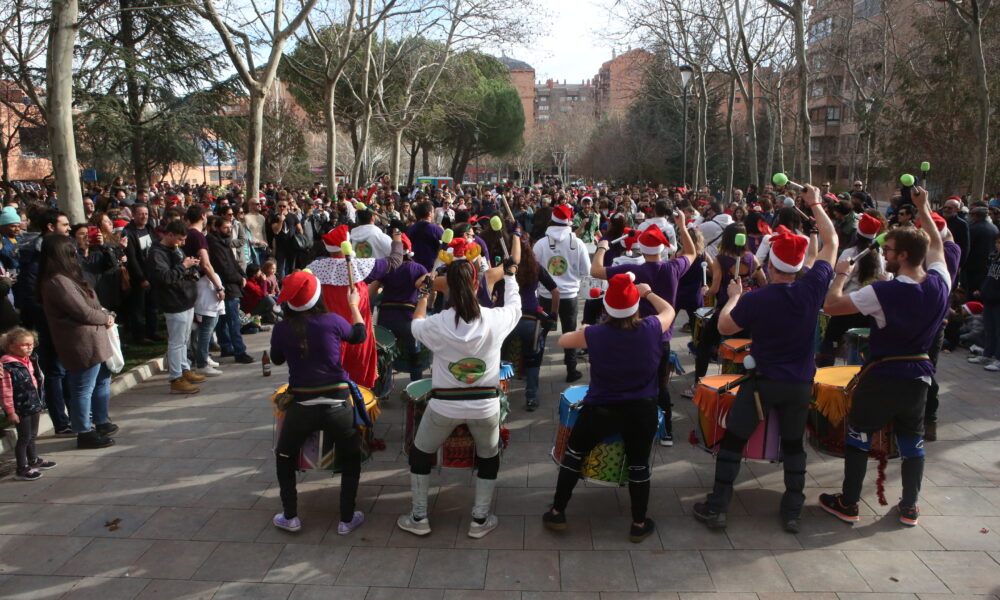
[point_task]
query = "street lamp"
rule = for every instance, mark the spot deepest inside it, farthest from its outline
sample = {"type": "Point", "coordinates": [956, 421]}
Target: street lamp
{"type": "Point", "coordinates": [686, 72]}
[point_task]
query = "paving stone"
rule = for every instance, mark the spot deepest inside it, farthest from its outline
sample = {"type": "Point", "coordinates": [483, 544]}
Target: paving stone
{"type": "Point", "coordinates": [325, 592]}
{"type": "Point", "coordinates": [172, 523]}
{"type": "Point", "coordinates": [899, 571]}
{"type": "Point", "coordinates": [598, 571]}
{"type": "Point", "coordinates": [104, 557]}
{"type": "Point", "coordinates": [679, 570]}
{"type": "Point", "coordinates": [307, 564]}
{"type": "Point", "coordinates": [115, 521]}
{"type": "Point", "coordinates": [170, 589]}
{"type": "Point", "coordinates": [966, 572]}
{"type": "Point", "coordinates": [378, 566]}
{"type": "Point", "coordinates": [172, 559]}
{"type": "Point", "coordinates": [229, 525]}
{"type": "Point", "coordinates": [37, 587]}
{"type": "Point", "coordinates": [253, 591]}
{"type": "Point", "coordinates": [745, 570]}
{"type": "Point", "coordinates": [685, 533]}
{"type": "Point", "coordinates": [450, 569]}
{"type": "Point", "coordinates": [236, 561]}
{"type": "Point", "coordinates": [821, 571]}
{"type": "Point", "coordinates": [37, 555]}
{"type": "Point", "coordinates": [527, 570]}
{"type": "Point", "coordinates": [962, 533]}
{"type": "Point", "coordinates": [100, 588]}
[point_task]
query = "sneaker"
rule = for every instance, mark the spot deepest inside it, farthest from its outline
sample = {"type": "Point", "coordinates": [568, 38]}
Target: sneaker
{"type": "Point", "coordinates": [408, 523]}
{"type": "Point", "coordinates": [92, 440]}
{"type": "Point", "coordinates": [192, 377]}
{"type": "Point", "coordinates": [667, 440]}
{"type": "Point", "coordinates": [637, 534]}
{"type": "Point", "coordinates": [979, 360]}
{"type": "Point", "coordinates": [29, 475]}
{"type": "Point", "coordinates": [930, 431]}
{"type": "Point", "coordinates": [64, 431]}
{"type": "Point", "coordinates": [908, 515]}
{"type": "Point", "coordinates": [224, 354]}
{"type": "Point", "coordinates": [573, 375]}
{"type": "Point", "coordinates": [244, 359]}
{"type": "Point", "coordinates": [208, 371]}
{"type": "Point", "coordinates": [688, 392]}
{"type": "Point", "coordinates": [477, 530]}
{"type": "Point", "coordinates": [181, 385]}
{"type": "Point", "coordinates": [346, 528]}
{"type": "Point", "coordinates": [976, 349]}
{"type": "Point", "coordinates": [531, 405]}
{"type": "Point", "coordinates": [106, 429]}
{"type": "Point", "coordinates": [834, 504]}
{"type": "Point", "coordinates": [214, 347]}
{"type": "Point", "coordinates": [43, 465]}
{"type": "Point", "coordinates": [709, 516]}
{"type": "Point", "coordinates": [210, 362]}
{"type": "Point", "coordinates": [265, 328]}
{"type": "Point", "coordinates": [555, 522]}
{"type": "Point", "coordinates": [993, 366]}
{"type": "Point", "coordinates": [293, 524]}
{"type": "Point", "coordinates": [790, 524]}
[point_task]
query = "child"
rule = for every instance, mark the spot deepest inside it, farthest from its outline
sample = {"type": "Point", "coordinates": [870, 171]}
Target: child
{"type": "Point", "coordinates": [20, 391]}
{"type": "Point", "coordinates": [269, 269]}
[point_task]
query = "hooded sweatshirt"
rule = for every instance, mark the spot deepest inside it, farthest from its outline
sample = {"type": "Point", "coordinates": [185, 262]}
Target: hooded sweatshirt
{"type": "Point", "coordinates": [711, 230]}
{"type": "Point", "coordinates": [370, 242]}
{"type": "Point", "coordinates": [565, 257]}
{"type": "Point", "coordinates": [467, 355]}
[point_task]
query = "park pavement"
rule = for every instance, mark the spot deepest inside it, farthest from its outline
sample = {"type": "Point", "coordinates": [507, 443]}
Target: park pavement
{"type": "Point", "coordinates": [181, 507]}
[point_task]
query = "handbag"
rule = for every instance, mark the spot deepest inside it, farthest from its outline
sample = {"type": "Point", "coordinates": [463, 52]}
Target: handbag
{"type": "Point", "coordinates": [125, 281]}
{"type": "Point", "coordinates": [115, 362]}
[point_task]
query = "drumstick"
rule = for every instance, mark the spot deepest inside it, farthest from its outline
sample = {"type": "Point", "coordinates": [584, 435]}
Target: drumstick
{"type": "Point", "coordinates": [704, 273]}
{"type": "Point", "coordinates": [496, 224]}
{"type": "Point", "coordinates": [740, 241]}
{"type": "Point", "coordinates": [348, 252]}
{"type": "Point", "coordinates": [751, 367]}
{"type": "Point", "coordinates": [877, 242]}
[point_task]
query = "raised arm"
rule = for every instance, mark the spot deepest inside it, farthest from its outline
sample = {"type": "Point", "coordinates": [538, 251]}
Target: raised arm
{"type": "Point", "coordinates": [597, 269]}
{"type": "Point", "coordinates": [935, 252]}
{"type": "Point", "coordinates": [687, 245]}
{"type": "Point", "coordinates": [827, 234]}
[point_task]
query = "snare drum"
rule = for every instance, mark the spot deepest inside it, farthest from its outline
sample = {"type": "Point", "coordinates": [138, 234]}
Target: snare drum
{"type": "Point", "coordinates": [606, 463]}
{"type": "Point", "coordinates": [701, 316]}
{"type": "Point", "coordinates": [827, 423]}
{"type": "Point", "coordinates": [714, 397]}
{"type": "Point", "coordinates": [731, 354]}
{"type": "Point", "coordinates": [856, 345]}
{"type": "Point", "coordinates": [459, 450]}
{"type": "Point", "coordinates": [385, 349]}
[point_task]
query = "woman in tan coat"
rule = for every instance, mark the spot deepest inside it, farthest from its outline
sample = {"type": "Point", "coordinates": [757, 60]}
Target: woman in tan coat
{"type": "Point", "coordinates": [79, 326]}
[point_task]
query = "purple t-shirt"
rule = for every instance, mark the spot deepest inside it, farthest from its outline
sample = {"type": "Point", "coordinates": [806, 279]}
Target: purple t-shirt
{"type": "Point", "coordinates": [398, 286]}
{"type": "Point", "coordinates": [426, 239]}
{"type": "Point", "coordinates": [952, 258]}
{"type": "Point", "coordinates": [689, 296]}
{"type": "Point", "coordinates": [195, 241]}
{"type": "Point", "coordinates": [661, 277]}
{"type": "Point", "coordinates": [322, 365]}
{"type": "Point", "coordinates": [623, 362]}
{"type": "Point", "coordinates": [913, 315]}
{"type": "Point", "coordinates": [781, 319]}
{"type": "Point", "coordinates": [529, 301]}
{"type": "Point", "coordinates": [726, 264]}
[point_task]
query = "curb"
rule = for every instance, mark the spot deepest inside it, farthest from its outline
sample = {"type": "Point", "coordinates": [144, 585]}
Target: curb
{"type": "Point", "coordinates": [119, 385]}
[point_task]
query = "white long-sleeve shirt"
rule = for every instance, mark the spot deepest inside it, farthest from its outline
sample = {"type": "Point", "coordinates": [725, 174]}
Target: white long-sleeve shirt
{"type": "Point", "coordinates": [565, 257]}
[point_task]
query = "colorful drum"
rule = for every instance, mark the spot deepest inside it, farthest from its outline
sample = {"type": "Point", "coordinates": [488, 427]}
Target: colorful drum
{"type": "Point", "coordinates": [714, 397]}
{"type": "Point", "coordinates": [827, 423]}
{"type": "Point", "coordinates": [856, 345]}
{"type": "Point", "coordinates": [459, 450]}
{"type": "Point", "coordinates": [318, 451]}
{"type": "Point", "coordinates": [701, 316]}
{"type": "Point", "coordinates": [821, 324]}
{"type": "Point", "coordinates": [606, 463]}
{"type": "Point", "coordinates": [731, 354]}
{"type": "Point", "coordinates": [386, 351]}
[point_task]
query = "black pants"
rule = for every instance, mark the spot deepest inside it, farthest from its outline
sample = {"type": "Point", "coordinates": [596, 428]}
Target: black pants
{"type": "Point", "coordinates": [710, 338]}
{"type": "Point", "coordinates": [635, 421]}
{"type": "Point", "coordinates": [592, 310]}
{"type": "Point", "coordinates": [24, 449]}
{"type": "Point", "coordinates": [335, 421]}
{"type": "Point", "coordinates": [791, 400]}
{"type": "Point", "coordinates": [663, 393]}
{"type": "Point", "coordinates": [567, 319]}
{"type": "Point", "coordinates": [141, 314]}
{"type": "Point", "coordinates": [930, 411]}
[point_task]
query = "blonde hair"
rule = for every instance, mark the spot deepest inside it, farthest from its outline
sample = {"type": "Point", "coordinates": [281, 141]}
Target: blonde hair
{"type": "Point", "coordinates": [8, 339]}
{"type": "Point", "coordinates": [698, 240]}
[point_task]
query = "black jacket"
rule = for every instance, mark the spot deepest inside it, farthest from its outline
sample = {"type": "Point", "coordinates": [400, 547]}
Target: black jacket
{"type": "Point", "coordinates": [225, 265]}
{"type": "Point", "coordinates": [136, 255]}
{"type": "Point", "coordinates": [175, 287]}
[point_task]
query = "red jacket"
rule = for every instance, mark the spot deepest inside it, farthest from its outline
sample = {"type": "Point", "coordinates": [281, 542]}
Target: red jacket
{"type": "Point", "coordinates": [253, 293]}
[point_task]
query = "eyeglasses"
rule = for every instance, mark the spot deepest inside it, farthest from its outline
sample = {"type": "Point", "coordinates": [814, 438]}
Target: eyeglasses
{"type": "Point", "coordinates": [282, 206]}
{"type": "Point", "coordinates": [857, 185]}
{"type": "Point", "coordinates": [887, 248]}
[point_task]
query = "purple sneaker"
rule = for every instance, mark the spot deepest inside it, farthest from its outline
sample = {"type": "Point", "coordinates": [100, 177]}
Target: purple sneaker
{"type": "Point", "coordinates": [293, 524]}
{"type": "Point", "coordinates": [346, 528]}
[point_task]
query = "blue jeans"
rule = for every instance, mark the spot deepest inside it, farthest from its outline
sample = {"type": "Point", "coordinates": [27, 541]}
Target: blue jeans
{"type": "Point", "coordinates": [259, 255]}
{"type": "Point", "coordinates": [532, 336]}
{"type": "Point", "coordinates": [203, 339]}
{"type": "Point", "coordinates": [178, 337]}
{"type": "Point", "coordinates": [228, 329]}
{"type": "Point", "coordinates": [55, 392]}
{"type": "Point", "coordinates": [89, 391]}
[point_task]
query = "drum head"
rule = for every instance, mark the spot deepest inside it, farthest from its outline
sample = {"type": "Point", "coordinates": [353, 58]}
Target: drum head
{"type": "Point", "coordinates": [418, 391]}
{"type": "Point", "coordinates": [383, 337]}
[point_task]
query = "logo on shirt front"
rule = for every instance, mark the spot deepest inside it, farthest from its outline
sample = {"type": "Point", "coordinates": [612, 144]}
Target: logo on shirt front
{"type": "Point", "coordinates": [557, 266]}
{"type": "Point", "coordinates": [467, 370]}
{"type": "Point", "coordinates": [363, 250]}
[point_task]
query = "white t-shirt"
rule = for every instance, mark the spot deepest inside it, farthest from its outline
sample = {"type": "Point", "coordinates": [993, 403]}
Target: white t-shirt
{"type": "Point", "coordinates": [853, 284]}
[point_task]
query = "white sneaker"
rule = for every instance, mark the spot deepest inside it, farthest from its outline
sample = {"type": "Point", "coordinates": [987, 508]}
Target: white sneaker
{"type": "Point", "coordinates": [979, 360]}
{"type": "Point", "coordinates": [993, 366]}
{"type": "Point", "coordinates": [975, 349]}
{"type": "Point", "coordinates": [477, 531]}
{"type": "Point", "coordinates": [211, 362]}
{"type": "Point", "coordinates": [209, 371]}
{"type": "Point", "coordinates": [408, 523]}
{"type": "Point", "coordinates": [688, 392]}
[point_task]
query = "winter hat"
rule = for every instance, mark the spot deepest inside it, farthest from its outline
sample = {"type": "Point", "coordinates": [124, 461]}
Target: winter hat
{"type": "Point", "coordinates": [9, 216]}
{"type": "Point", "coordinates": [973, 308]}
{"type": "Point", "coordinates": [763, 228]}
{"type": "Point", "coordinates": [562, 214]}
{"type": "Point", "coordinates": [120, 224]}
{"type": "Point", "coordinates": [954, 202]}
{"type": "Point", "coordinates": [407, 244]}
{"type": "Point", "coordinates": [788, 251]}
{"type": "Point", "coordinates": [939, 222]}
{"type": "Point", "coordinates": [869, 226]}
{"type": "Point", "coordinates": [300, 290]}
{"type": "Point", "coordinates": [335, 237]}
{"type": "Point", "coordinates": [652, 241]}
{"type": "Point", "coordinates": [621, 300]}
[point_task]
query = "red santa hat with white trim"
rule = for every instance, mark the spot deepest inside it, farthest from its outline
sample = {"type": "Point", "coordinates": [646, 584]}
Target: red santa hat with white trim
{"type": "Point", "coordinates": [788, 251]}
{"type": "Point", "coordinates": [407, 244]}
{"type": "Point", "coordinates": [869, 226]}
{"type": "Point", "coordinates": [622, 298]}
{"type": "Point", "coordinates": [562, 214]}
{"type": "Point", "coordinates": [336, 236]}
{"type": "Point", "coordinates": [652, 241]}
{"type": "Point", "coordinates": [300, 291]}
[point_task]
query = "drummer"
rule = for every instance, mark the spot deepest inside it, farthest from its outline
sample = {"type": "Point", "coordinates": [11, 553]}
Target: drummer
{"type": "Point", "coordinates": [624, 358]}
{"type": "Point", "coordinates": [782, 318]}
{"type": "Point", "coordinates": [663, 278]}
{"type": "Point", "coordinates": [465, 339]}
{"type": "Point", "coordinates": [908, 311]}
{"type": "Point", "coordinates": [399, 297]}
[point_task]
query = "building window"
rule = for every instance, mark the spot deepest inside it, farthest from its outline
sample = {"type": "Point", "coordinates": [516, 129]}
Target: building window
{"type": "Point", "coordinates": [833, 115]}
{"type": "Point", "coordinates": [542, 117]}
{"type": "Point", "coordinates": [817, 91]}
{"type": "Point", "coordinates": [543, 98]}
{"type": "Point", "coordinates": [816, 145]}
{"type": "Point", "coordinates": [820, 29]}
{"type": "Point", "coordinates": [737, 99]}
{"type": "Point", "coordinates": [33, 142]}
{"type": "Point", "coordinates": [543, 107]}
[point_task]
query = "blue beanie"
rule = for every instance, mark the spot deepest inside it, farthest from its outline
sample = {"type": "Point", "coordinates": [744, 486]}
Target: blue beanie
{"type": "Point", "coordinates": [9, 216]}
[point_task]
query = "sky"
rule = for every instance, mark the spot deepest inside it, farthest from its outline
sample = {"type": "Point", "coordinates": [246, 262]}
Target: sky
{"type": "Point", "coordinates": [572, 44]}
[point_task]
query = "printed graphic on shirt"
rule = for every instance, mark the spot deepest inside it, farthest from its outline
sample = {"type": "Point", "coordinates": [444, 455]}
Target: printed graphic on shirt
{"type": "Point", "coordinates": [557, 266]}
{"type": "Point", "coordinates": [467, 370]}
{"type": "Point", "coordinates": [363, 250]}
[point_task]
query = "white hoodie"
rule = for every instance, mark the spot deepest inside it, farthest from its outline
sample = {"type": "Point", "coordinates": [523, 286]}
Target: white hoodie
{"type": "Point", "coordinates": [378, 242]}
{"type": "Point", "coordinates": [668, 230]}
{"type": "Point", "coordinates": [467, 355]}
{"type": "Point", "coordinates": [712, 229]}
{"type": "Point", "coordinates": [565, 257]}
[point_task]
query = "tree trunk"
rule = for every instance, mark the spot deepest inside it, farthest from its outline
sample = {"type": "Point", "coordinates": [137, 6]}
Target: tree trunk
{"type": "Point", "coordinates": [59, 84]}
{"type": "Point", "coordinates": [255, 140]}
{"type": "Point", "coordinates": [396, 158]}
{"type": "Point", "coordinates": [731, 163]}
{"type": "Point", "coordinates": [703, 144]}
{"type": "Point", "coordinates": [769, 166]}
{"type": "Point", "coordinates": [977, 189]}
{"type": "Point", "coordinates": [425, 156]}
{"type": "Point", "coordinates": [752, 126]}
{"type": "Point", "coordinates": [697, 142]}
{"type": "Point", "coordinates": [413, 164]}
{"type": "Point", "coordinates": [330, 124]}
{"type": "Point", "coordinates": [140, 168]}
{"type": "Point", "coordinates": [799, 21]}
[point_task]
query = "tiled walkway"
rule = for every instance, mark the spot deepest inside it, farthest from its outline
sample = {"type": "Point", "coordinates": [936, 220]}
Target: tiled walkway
{"type": "Point", "coordinates": [181, 508]}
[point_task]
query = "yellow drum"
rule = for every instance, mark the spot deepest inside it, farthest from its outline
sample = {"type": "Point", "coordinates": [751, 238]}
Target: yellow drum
{"type": "Point", "coordinates": [731, 355]}
{"type": "Point", "coordinates": [831, 405]}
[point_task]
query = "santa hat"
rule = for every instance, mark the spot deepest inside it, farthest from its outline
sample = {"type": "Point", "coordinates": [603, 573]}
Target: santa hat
{"type": "Point", "coordinates": [621, 300]}
{"type": "Point", "coordinates": [973, 308]}
{"type": "Point", "coordinates": [562, 214]}
{"type": "Point", "coordinates": [335, 237]}
{"type": "Point", "coordinates": [652, 241]}
{"type": "Point", "coordinates": [407, 245]}
{"type": "Point", "coordinates": [953, 201]}
{"type": "Point", "coordinates": [596, 293]}
{"type": "Point", "coordinates": [869, 226]}
{"type": "Point", "coordinates": [300, 290]}
{"type": "Point", "coordinates": [939, 222]}
{"type": "Point", "coordinates": [120, 224]}
{"type": "Point", "coordinates": [631, 237]}
{"type": "Point", "coordinates": [586, 198]}
{"type": "Point", "coordinates": [457, 248]}
{"type": "Point", "coordinates": [763, 228]}
{"type": "Point", "coordinates": [788, 251]}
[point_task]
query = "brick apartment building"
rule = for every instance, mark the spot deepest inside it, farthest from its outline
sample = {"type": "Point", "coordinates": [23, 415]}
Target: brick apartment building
{"type": "Point", "coordinates": [27, 144]}
{"type": "Point", "coordinates": [619, 80]}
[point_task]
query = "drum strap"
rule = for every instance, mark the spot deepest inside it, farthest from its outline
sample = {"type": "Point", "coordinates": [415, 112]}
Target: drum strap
{"type": "Point", "coordinates": [475, 393]}
{"type": "Point", "coordinates": [857, 378]}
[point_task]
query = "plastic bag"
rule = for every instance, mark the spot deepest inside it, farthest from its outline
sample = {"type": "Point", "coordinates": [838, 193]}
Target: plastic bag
{"type": "Point", "coordinates": [115, 362]}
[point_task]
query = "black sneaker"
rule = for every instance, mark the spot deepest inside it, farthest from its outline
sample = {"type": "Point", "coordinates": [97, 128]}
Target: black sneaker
{"type": "Point", "coordinates": [43, 465]}
{"type": "Point", "coordinates": [573, 375]}
{"type": "Point", "coordinates": [92, 439]}
{"type": "Point", "coordinates": [64, 431]}
{"type": "Point", "coordinates": [245, 359]}
{"type": "Point", "coordinates": [834, 504]}
{"type": "Point", "coordinates": [553, 521]}
{"type": "Point", "coordinates": [106, 429]}
{"type": "Point", "coordinates": [223, 353]}
{"type": "Point", "coordinates": [29, 475]}
{"type": "Point", "coordinates": [908, 515]}
{"type": "Point", "coordinates": [709, 516]}
{"type": "Point", "coordinates": [531, 405]}
{"type": "Point", "coordinates": [790, 524]}
{"type": "Point", "coordinates": [637, 534]}
{"type": "Point", "coordinates": [667, 440]}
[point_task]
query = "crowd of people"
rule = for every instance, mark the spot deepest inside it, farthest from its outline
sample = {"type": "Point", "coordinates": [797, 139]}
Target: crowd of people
{"type": "Point", "coordinates": [468, 277]}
